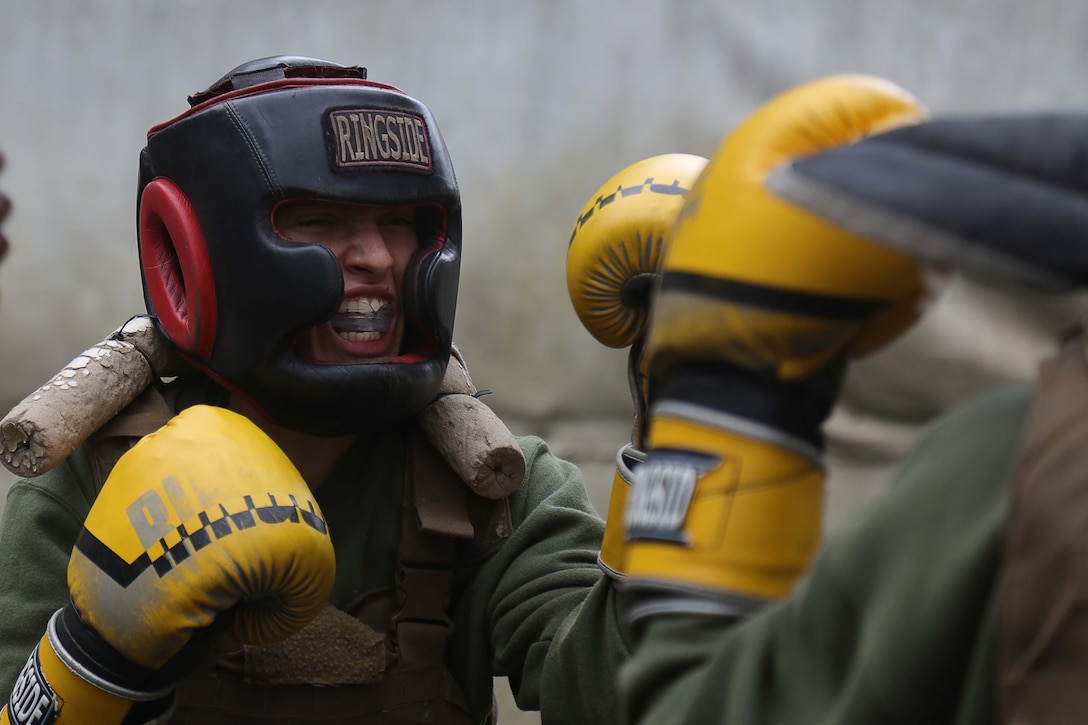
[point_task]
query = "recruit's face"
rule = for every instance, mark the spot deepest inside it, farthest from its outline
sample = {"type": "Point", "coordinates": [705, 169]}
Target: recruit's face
{"type": "Point", "coordinates": [373, 245]}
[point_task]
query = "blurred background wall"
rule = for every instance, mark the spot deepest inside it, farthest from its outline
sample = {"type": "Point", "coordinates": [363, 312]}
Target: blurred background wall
{"type": "Point", "coordinates": [539, 101]}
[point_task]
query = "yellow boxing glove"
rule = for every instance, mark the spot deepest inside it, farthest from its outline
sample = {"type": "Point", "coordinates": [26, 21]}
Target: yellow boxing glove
{"type": "Point", "coordinates": [614, 254]}
{"type": "Point", "coordinates": [203, 524]}
{"type": "Point", "coordinates": [759, 307]}
{"type": "Point", "coordinates": [613, 260]}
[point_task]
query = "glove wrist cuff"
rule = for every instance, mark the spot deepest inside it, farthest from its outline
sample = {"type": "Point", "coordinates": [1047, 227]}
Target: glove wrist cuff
{"type": "Point", "coordinates": [715, 419]}
{"type": "Point", "coordinates": [797, 409]}
{"type": "Point", "coordinates": [94, 660]}
{"type": "Point", "coordinates": [613, 555]}
{"type": "Point", "coordinates": [715, 510]}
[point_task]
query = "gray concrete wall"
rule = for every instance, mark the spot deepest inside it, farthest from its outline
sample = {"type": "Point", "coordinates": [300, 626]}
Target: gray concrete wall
{"type": "Point", "coordinates": [540, 101]}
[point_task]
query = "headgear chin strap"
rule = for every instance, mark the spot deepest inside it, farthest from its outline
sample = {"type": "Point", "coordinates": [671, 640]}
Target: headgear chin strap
{"type": "Point", "coordinates": [234, 296]}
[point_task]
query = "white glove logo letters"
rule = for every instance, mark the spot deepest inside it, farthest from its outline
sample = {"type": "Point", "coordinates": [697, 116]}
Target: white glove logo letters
{"type": "Point", "coordinates": [660, 500]}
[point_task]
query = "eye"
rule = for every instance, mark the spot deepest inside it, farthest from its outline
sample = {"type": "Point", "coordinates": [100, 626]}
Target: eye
{"type": "Point", "coordinates": [403, 217]}
{"type": "Point", "coordinates": [307, 222]}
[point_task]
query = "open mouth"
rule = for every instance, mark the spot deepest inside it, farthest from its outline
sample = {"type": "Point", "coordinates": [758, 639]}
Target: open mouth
{"type": "Point", "coordinates": [363, 319]}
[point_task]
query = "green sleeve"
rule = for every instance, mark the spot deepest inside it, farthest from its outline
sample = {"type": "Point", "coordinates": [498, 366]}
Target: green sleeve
{"type": "Point", "coordinates": [42, 518]}
{"type": "Point", "coordinates": [893, 624]}
{"type": "Point", "coordinates": [553, 620]}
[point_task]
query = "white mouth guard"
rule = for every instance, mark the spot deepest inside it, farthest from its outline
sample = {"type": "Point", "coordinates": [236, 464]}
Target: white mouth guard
{"type": "Point", "coordinates": [378, 321]}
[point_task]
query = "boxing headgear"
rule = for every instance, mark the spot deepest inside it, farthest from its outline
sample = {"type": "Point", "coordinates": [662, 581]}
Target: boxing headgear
{"type": "Point", "coordinates": [233, 295]}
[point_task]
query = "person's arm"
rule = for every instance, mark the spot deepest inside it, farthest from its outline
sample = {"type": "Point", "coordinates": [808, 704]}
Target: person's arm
{"type": "Point", "coordinates": [555, 624]}
{"type": "Point", "coordinates": [893, 624]}
{"type": "Point", "coordinates": [759, 308]}
{"type": "Point", "coordinates": [554, 621]}
{"type": "Point", "coordinates": [42, 518]}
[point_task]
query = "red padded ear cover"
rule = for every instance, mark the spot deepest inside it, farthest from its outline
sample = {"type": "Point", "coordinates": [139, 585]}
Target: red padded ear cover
{"type": "Point", "coordinates": [176, 268]}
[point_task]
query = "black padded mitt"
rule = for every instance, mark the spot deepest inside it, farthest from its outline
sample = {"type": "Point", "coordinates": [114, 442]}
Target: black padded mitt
{"type": "Point", "coordinates": [999, 197]}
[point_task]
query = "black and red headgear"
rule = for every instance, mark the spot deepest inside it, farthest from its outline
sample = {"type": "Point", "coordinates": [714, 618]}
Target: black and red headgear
{"type": "Point", "coordinates": [233, 295]}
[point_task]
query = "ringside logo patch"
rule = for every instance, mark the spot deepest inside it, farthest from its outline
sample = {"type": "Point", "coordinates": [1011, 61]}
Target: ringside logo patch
{"type": "Point", "coordinates": [659, 502]}
{"type": "Point", "coordinates": [32, 701]}
{"type": "Point", "coordinates": [379, 137]}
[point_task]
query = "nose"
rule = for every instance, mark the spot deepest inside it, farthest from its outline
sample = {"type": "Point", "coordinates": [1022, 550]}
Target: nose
{"type": "Point", "coordinates": [364, 251]}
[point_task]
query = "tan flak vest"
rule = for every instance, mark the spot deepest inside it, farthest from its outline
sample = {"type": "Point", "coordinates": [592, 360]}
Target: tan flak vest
{"type": "Point", "coordinates": [1043, 605]}
{"type": "Point", "coordinates": [382, 662]}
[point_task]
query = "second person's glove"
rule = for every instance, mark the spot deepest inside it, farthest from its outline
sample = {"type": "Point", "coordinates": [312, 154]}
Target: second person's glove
{"type": "Point", "coordinates": [759, 307]}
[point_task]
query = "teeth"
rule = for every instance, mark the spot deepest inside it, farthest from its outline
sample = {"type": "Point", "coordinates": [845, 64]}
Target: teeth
{"type": "Point", "coordinates": [361, 305]}
{"type": "Point", "coordinates": [362, 319]}
{"type": "Point", "coordinates": [359, 336]}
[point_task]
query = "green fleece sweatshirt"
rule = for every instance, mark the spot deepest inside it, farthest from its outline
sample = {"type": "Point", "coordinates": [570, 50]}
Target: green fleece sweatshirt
{"type": "Point", "coordinates": [895, 622]}
{"type": "Point", "coordinates": [538, 611]}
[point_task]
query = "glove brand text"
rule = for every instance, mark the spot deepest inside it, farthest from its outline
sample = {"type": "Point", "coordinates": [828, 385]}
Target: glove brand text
{"type": "Point", "coordinates": [32, 701]}
{"type": "Point", "coordinates": [660, 500]}
{"type": "Point", "coordinates": [167, 545]}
